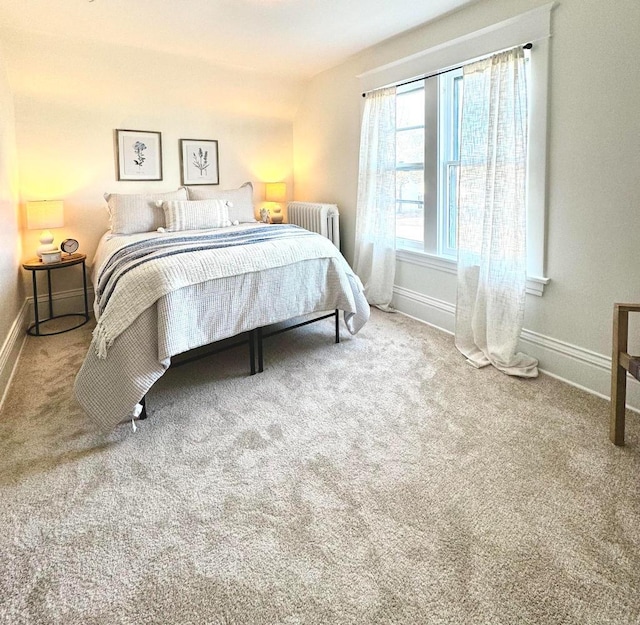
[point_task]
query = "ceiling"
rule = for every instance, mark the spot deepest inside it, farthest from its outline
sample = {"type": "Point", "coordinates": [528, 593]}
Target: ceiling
{"type": "Point", "coordinates": [295, 37]}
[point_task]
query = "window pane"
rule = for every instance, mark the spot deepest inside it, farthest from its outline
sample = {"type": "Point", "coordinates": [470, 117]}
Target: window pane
{"type": "Point", "coordinates": [451, 88]}
{"type": "Point", "coordinates": [410, 108]}
{"type": "Point", "coordinates": [409, 146]}
{"type": "Point", "coordinates": [410, 204]}
{"type": "Point", "coordinates": [410, 117]}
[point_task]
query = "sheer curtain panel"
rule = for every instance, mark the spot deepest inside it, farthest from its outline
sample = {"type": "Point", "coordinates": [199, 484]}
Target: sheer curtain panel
{"type": "Point", "coordinates": [375, 254]}
{"type": "Point", "coordinates": [492, 214]}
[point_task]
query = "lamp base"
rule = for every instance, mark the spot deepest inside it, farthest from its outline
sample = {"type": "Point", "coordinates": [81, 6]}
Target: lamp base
{"type": "Point", "coordinates": [46, 243]}
{"type": "Point", "coordinates": [43, 249]}
{"type": "Point", "coordinates": [48, 247]}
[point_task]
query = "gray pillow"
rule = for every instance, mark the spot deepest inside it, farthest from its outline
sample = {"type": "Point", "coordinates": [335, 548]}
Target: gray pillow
{"type": "Point", "coordinates": [137, 212]}
{"type": "Point", "coordinates": [240, 200]}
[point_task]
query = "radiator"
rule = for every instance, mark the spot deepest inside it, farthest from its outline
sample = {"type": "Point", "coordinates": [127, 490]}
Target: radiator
{"type": "Point", "coordinates": [321, 218]}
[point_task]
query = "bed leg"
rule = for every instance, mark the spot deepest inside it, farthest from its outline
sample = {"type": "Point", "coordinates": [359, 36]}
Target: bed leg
{"type": "Point", "coordinates": [337, 326]}
{"type": "Point", "coordinates": [260, 353]}
{"type": "Point", "coordinates": [143, 414]}
{"type": "Point", "coordinates": [252, 351]}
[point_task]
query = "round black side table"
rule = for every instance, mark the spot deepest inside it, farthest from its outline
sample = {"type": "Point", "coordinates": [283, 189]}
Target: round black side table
{"type": "Point", "coordinates": [35, 265]}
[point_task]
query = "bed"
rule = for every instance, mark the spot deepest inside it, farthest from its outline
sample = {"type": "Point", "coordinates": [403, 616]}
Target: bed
{"type": "Point", "coordinates": [174, 287]}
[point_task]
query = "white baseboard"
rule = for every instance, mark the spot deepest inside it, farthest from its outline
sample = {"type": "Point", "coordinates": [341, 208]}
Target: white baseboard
{"type": "Point", "coordinates": [64, 302]}
{"type": "Point", "coordinates": [11, 349]}
{"type": "Point", "coordinates": [435, 312]}
{"type": "Point", "coordinates": [575, 365]}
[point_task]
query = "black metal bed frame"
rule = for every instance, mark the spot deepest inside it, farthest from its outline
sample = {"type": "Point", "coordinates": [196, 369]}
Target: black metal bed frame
{"type": "Point", "coordinates": [254, 338]}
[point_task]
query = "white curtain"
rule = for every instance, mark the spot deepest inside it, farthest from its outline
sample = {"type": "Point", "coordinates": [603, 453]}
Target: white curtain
{"type": "Point", "coordinates": [492, 215]}
{"type": "Point", "coordinates": [375, 254]}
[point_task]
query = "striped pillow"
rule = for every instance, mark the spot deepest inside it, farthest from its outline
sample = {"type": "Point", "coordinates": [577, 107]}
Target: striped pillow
{"type": "Point", "coordinates": [195, 215]}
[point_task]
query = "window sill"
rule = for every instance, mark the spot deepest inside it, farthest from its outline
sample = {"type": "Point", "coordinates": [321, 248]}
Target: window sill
{"type": "Point", "coordinates": [535, 285]}
{"type": "Point", "coordinates": [422, 259]}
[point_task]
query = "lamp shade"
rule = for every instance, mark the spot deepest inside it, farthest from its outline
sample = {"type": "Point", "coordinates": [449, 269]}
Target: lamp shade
{"type": "Point", "coordinates": [45, 214]}
{"type": "Point", "coordinates": [275, 192]}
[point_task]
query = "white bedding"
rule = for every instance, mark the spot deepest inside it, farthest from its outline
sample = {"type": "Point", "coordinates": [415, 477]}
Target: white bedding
{"type": "Point", "coordinates": [177, 303]}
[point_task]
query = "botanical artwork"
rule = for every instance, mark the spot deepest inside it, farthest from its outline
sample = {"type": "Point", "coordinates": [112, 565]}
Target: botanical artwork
{"type": "Point", "coordinates": [201, 161]}
{"type": "Point", "coordinates": [199, 158]}
{"type": "Point", "coordinates": [139, 155]}
{"type": "Point", "coordinates": [139, 148]}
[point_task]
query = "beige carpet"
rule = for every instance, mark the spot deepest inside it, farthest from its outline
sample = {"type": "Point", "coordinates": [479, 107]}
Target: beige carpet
{"type": "Point", "coordinates": [379, 481]}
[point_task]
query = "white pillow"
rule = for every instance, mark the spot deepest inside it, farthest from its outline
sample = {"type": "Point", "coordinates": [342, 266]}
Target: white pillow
{"type": "Point", "coordinates": [138, 212]}
{"type": "Point", "coordinates": [241, 199]}
{"type": "Point", "coordinates": [195, 215]}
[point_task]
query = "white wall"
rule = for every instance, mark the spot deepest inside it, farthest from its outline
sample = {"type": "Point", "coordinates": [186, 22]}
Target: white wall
{"type": "Point", "coordinates": [11, 324]}
{"type": "Point", "coordinates": [593, 190]}
{"type": "Point", "coordinates": [70, 95]}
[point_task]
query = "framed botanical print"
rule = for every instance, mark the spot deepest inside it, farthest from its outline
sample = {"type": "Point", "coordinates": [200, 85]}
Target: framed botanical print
{"type": "Point", "coordinates": [199, 161]}
{"type": "Point", "coordinates": [139, 154]}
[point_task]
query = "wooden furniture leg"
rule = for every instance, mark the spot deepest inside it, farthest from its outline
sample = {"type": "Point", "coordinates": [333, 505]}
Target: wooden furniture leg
{"type": "Point", "coordinates": [621, 363]}
{"type": "Point", "coordinates": [618, 374]}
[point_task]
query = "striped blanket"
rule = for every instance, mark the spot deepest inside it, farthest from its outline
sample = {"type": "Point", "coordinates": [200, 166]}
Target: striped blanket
{"type": "Point", "coordinates": [135, 254]}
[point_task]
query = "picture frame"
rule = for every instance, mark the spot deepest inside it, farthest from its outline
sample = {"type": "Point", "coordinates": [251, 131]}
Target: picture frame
{"type": "Point", "coordinates": [199, 161]}
{"type": "Point", "coordinates": [138, 154]}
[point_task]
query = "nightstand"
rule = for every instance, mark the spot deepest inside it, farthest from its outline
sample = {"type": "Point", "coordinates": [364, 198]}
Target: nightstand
{"type": "Point", "coordinates": [35, 265]}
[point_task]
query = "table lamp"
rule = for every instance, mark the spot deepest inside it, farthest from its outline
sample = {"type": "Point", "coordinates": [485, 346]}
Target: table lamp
{"type": "Point", "coordinates": [42, 215]}
{"type": "Point", "coordinates": [275, 193]}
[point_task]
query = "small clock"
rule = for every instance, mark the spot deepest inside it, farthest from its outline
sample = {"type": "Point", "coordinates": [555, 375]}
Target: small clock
{"type": "Point", "coordinates": [69, 246]}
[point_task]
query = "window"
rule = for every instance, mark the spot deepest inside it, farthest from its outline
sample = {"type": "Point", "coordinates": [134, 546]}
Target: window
{"type": "Point", "coordinates": [427, 222]}
{"type": "Point", "coordinates": [432, 234]}
{"type": "Point", "coordinates": [428, 152]}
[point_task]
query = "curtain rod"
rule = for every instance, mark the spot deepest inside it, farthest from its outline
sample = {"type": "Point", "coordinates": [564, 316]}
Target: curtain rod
{"type": "Point", "coordinates": [526, 46]}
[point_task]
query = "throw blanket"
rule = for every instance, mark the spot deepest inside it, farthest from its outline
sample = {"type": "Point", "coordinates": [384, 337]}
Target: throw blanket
{"type": "Point", "coordinates": [146, 270]}
{"type": "Point", "coordinates": [133, 255]}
